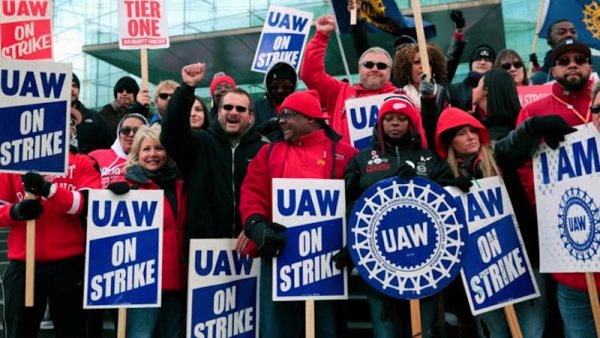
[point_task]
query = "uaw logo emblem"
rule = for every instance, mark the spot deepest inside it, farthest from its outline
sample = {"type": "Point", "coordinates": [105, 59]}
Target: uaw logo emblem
{"type": "Point", "coordinates": [579, 224]}
{"type": "Point", "coordinates": [591, 19]}
{"type": "Point", "coordinates": [407, 237]}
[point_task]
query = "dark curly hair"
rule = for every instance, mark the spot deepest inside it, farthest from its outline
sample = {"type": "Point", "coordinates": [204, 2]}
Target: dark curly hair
{"type": "Point", "coordinates": [402, 67]}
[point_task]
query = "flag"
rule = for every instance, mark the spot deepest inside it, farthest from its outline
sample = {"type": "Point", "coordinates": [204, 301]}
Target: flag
{"type": "Point", "coordinates": [582, 13]}
{"type": "Point", "coordinates": [380, 16]}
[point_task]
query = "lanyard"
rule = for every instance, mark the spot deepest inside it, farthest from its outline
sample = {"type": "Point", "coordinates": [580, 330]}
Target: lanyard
{"type": "Point", "coordinates": [571, 107]}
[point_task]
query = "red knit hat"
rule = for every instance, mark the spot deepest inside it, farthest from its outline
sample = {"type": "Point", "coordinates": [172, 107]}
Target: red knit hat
{"type": "Point", "coordinates": [400, 104]}
{"type": "Point", "coordinates": [306, 103]}
{"type": "Point", "coordinates": [451, 120]}
{"type": "Point", "coordinates": [220, 79]}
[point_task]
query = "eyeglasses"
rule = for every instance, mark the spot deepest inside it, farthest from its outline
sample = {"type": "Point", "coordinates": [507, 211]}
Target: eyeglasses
{"type": "Point", "coordinates": [578, 59]}
{"type": "Point", "coordinates": [164, 96]}
{"type": "Point", "coordinates": [516, 64]}
{"type": "Point", "coordinates": [595, 110]}
{"type": "Point", "coordinates": [240, 109]}
{"type": "Point", "coordinates": [287, 114]}
{"type": "Point", "coordinates": [126, 131]}
{"type": "Point", "coordinates": [371, 64]}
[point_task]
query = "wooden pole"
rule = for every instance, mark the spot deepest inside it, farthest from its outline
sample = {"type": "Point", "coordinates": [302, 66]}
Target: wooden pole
{"type": "Point", "coordinates": [122, 324]}
{"type": "Point", "coordinates": [513, 322]}
{"type": "Point", "coordinates": [593, 292]}
{"type": "Point", "coordinates": [415, 318]}
{"type": "Point", "coordinates": [30, 260]}
{"type": "Point", "coordinates": [536, 36]}
{"type": "Point", "coordinates": [144, 70]}
{"type": "Point", "coordinates": [416, 7]}
{"type": "Point", "coordinates": [353, 13]}
{"type": "Point", "coordinates": [310, 319]}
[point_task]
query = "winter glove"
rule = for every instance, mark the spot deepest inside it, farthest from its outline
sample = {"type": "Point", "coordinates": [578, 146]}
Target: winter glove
{"type": "Point", "coordinates": [550, 127]}
{"type": "Point", "coordinates": [426, 88]}
{"type": "Point", "coordinates": [458, 18]}
{"type": "Point", "coordinates": [461, 182]}
{"type": "Point", "coordinates": [26, 210]}
{"type": "Point", "coordinates": [119, 188]}
{"type": "Point", "coordinates": [533, 59]}
{"type": "Point", "coordinates": [266, 235]}
{"type": "Point", "coordinates": [406, 171]}
{"type": "Point", "coordinates": [36, 184]}
{"type": "Point", "coordinates": [343, 259]}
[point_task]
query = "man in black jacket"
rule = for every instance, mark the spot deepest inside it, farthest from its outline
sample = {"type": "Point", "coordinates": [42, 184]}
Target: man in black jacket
{"type": "Point", "coordinates": [213, 161]}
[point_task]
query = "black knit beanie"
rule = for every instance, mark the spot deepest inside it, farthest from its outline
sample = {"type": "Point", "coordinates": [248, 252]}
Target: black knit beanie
{"type": "Point", "coordinates": [127, 83]}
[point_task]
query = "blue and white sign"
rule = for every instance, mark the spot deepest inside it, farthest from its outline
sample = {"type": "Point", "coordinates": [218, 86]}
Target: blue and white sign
{"type": "Point", "coordinates": [222, 292]}
{"type": "Point", "coordinates": [313, 211]}
{"type": "Point", "coordinates": [34, 109]}
{"type": "Point", "coordinates": [283, 38]}
{"type": "Point", "coordinates": [407, 237]}
{"type": "Point", "coordinates": [496, 270]}
{"type": "Point", "coordinates": [124, 249]}
{"type": "Point", "coordinates": [362, 117]}
{"type": "Point", "coordinates": [568, 199]}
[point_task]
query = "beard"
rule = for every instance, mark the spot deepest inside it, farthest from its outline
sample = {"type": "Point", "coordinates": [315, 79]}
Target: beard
{"type": "Point", "coordinates": [573, 85]}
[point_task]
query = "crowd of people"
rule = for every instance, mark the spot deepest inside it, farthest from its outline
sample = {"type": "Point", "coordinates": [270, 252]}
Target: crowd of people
{"type": "Point", "coordinates": [215, 168]}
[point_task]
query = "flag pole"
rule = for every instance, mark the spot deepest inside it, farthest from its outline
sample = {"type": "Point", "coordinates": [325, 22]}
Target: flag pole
{"type": "Point", "coordinates": [341, 47]}
{"type": "Point", "coordinates": [416, 7]}
{"type": "Point", "coordinates": [536, 36]}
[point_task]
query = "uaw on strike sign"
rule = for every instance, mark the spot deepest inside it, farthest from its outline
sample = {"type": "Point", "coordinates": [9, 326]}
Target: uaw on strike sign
{"type": "Point", "coordinates": [407, 237]}
{"type": "Point", "coordinates": [143, 24]}
{"type": "Point", "coordinates": [124, 249]}
{"type": "Point", "coordinates": [313, 211]}
{"type": "Point", "coordinates": [26, 29]}
{"type": "Point", "coordinates": [568, 202]}
{"type": "Point", "coordinates": [34, 109]}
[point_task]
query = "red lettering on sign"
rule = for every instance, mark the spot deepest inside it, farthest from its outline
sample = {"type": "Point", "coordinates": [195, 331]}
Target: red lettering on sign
{"type": "Point", "coordinates": [143, 27]}
{"type": "Point", "coordinates": [142, 9]}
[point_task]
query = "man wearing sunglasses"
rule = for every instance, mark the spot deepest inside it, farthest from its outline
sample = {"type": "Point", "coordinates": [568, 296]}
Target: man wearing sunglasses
{"type": "Point", "coordinates": [550, 118]}
{"type": "Point", "coordinates": [374, 69]}
{"type": "Point", "coordinates": [162, 94]}
{"type": "Point", "coordinates": [213, 161]}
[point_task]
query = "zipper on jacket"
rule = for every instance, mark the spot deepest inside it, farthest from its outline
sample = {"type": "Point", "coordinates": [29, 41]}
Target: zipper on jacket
{"type": "Point", "coordinates": [233, 186]}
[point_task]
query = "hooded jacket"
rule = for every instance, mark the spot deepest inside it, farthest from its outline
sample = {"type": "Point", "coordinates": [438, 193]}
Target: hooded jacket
{"type": "Point", "coordinates": [333, 92]}
{"type": "Point", "coordinates": [212, 166]}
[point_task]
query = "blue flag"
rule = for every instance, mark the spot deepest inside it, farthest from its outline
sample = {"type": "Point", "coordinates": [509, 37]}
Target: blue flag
{"type": "Point", "coordinates": [380, 16]}
{"type": "Point", "coordinates": [582, 13]}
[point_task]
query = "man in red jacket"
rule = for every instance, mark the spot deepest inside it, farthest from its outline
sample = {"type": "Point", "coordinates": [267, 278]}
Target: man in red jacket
{"type": "Point", "coordinates": [311, 149]}
{"type": "Point", "coordinates": [374, 69]}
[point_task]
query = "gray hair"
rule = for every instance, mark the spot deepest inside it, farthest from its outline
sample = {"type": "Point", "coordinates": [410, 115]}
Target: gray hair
{"type": "Point", "coordinates": [377, 50]}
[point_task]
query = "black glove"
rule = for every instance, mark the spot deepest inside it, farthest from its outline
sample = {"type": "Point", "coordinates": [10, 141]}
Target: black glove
{"type": "Point", "coordinates": [36, 184]}
{"type": "Point", "coordinates": [533, 59]}
{"type": "Point", "coordinates": [551, 127]}
{"type": "Point", "coordinates": [426, 88]}
{"type": "Point", "coordinates": [266, 235]}
{"type": "Point", "coordinates": [343, 259]}
{"type": "Point", "coordinates": [26, 210]}
{"type": "Point", "coordinates": [406, 171]}
{"type": "Point", "coordinates": [119, 188]}
{"type": "Point", "coordinates": [461, 182]}
{"type": "Point", "coordinates": [458, 18]}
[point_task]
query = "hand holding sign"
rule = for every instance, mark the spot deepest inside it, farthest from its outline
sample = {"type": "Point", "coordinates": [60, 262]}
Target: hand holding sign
{"type": "Point", "coordinates": [268, 240]}
{"type": "Point", "coordinates": [26, 210]}
{"type": "Point", "coordinates": [36, 184]}
{"type": "Point", "coordinates": [325, 24]}
{"type": "Point", "coordinates": [552, 128]}
{"type": "Point", "coordinates": [143, 97]}
{"type": "Point", "coordinates": [193, 74]}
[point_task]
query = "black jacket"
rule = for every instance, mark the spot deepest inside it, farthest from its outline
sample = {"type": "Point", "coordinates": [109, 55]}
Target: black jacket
{"type": "Point", "coordinates": [212, 168]}
{"type": "Point", "coordinates": [91, 132]}
{"type": "Point", "coordinates": [460, 95]}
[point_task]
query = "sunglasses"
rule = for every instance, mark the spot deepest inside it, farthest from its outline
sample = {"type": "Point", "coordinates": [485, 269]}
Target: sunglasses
{"type": "Point", "coordinates": [371, 64]}
{"type": "Point", "coordinates": [164, 96]}
{"type": "Point", "coordinates": [287, 114]}
{"type": "Point", "coordinates": [127, 130]}
{"type": "Point", "coordinates": [578, 59]}
{"type": "Point", "coordinates": [595, 110]}
{"type": "Point", "coordinates": [516, 64]}
{"type": "Point", "coordinates": [120, 90]}
{"type": "Point", "coordinates": [229, 107]}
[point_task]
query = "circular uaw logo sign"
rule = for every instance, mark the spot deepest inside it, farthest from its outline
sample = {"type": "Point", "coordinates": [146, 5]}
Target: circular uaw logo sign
{"type": "Point", "coordinates": [407, 237]}
{"type": "Point", "coordinates": [579, 222]}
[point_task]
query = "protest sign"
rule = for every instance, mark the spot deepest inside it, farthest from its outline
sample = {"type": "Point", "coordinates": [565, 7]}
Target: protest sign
{"type": "Point", "coordinates": [222, 292]}
{"type": "Point", "coordinates": [313, 211]}
{"type": "Point", "coordinates": [530, 94]}
{"type": "Point", "coordinates": [26, 30]}
{"type": "Point", "coordinates": [567, 198]}
{"type": "Point", "coordinates": [407, 237]}
{"type": "Point", "coordinates": [283, 38]}
{"type": "Point", "coordinates": [496, 270]}
{"type": "Point", "coordinates": [124, 249]}
{"type": "Point", "coordinates": [34, 108]}
{"type": "Point", "coordinates": [143, 24]}
{"type": "Point", "coordinates": [362, 117]}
